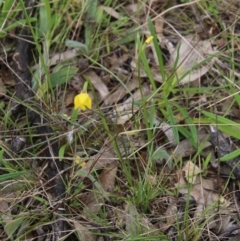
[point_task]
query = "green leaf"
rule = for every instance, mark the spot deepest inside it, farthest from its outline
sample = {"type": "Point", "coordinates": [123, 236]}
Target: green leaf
{"type": "Point", "coordinates": [61, 152]}
{"type": "Point", "coordinates": [44, 21]}
{"type": "Point", "coordinates": [161, 153]}
{"type": "Point", "coordinates": [188, 120]}
{"type": "Point", "coordinates": [13, 175]}
{"type": "Point", "coordinates": [90, 18]}
{"type": "Point", "coordinates": [157, 48]}
{"type": "Point", "coordinates": [24, 226]}
{"type": "Point", "coordinates": [172, 122]}
{"type": "Point", "coordinates": [5, 15]}
{"type": "Point", "coordinates": [185, 132]}
{"type": "Point", "coordinates": [223, 124]}
{"type": "Point", "coordinates": [230, 156]}
{"type": "Point", "coordinates": [127, 38]}
{"type": "Point", "coordinates": [62, 76]}
{"type": "Point", "coordinates": [75, 44]}
{"type": "Point", "coordinates": [206, 161]}
{"type": "Point", "coordinates": [99, 15]}
{"type": "Point", "coordinates": [12, 226]}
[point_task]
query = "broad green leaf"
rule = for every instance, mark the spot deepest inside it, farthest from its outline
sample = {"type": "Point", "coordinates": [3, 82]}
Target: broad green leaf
{"type": "Point", "coordinates": [128, 35]}
{"type": "Point", "coordinates": [44, 19]}
{"type": "Point", "coordinates": [62, 76]}
{"type": "Point", "coordinates": [99, 15]}
{"type": "Point", "coordinates": [12, 226]}
{"type": "Point", "coordinates": [75, 44]}
{"type": "Point", "coordinates": [90, 18]}
{"type": "Point", "coordinates": [127, 38]}
{"type": "Point", "coordinates": [24, 226]}
{"type": "Point", "coordinates": [160, 153]}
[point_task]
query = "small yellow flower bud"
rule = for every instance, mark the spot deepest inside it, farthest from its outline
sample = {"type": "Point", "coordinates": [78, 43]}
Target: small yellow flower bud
{"type": "Point", "coordinates": [149, 40]}
{"type": "Point", "coordinates": [83, 101]}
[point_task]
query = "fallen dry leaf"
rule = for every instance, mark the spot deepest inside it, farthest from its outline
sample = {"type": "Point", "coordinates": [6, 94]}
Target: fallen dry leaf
{"type": "Point", "coordinates": [60, 57]}
{"type": "Point", "coordinates": [191, 171]}
{"type": "Point", "coordinates": [95, 199]}
{"type": "Point", "coordinates": [133, 8]}
{"type": "Point", "coordinates": [121, 92]}
{"type": "Point", "coordinates": [77, 82]}
{"type": "Point", "coordinates": [126, 110]}
{"type": "Point", "coordinates": [154, 70]}
{"type": "Point", "coordinates": [189, 54]}
{"type": "Point", "coordinates": [185, 147]}
{"type": "Point", "coordinates": [135, 223]}
{"type": "Point", "coordinates": [69, 97]}
{"type": "Point", "coordinates": [2, 88]}
{"type": "Point", "coordinates": [206, 198]}
{"type": "Point", "coordinates": [83, 232]}
{"type": "Point", "coordinates": [111, 12]}
{"type": "Point", "coordinates": [168, 132]}
{"type": "Point", "coordinates": [108, 177]}
{"type": "Point", "coordinates": [97, 83]}
{"type": "Point", "coordinates": [100, 160]}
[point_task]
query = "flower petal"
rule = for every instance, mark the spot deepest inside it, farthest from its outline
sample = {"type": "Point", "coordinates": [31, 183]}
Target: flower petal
{"type": "Point", "coordinates": [149, 40]}
{"type": "Point", "coordinates": [82, 101]}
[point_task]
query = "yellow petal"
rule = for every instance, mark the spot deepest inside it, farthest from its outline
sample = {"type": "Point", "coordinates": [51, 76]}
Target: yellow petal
{"type": "Point", "coordinates": [149, 40]}
{"type": "Point", "coordinates": [82, 101]}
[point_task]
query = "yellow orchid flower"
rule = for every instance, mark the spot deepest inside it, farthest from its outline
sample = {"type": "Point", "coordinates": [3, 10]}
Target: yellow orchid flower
{"type": "Point", "coordinates": [82, 101]}
{"type": "Point", "coordinates": [78, 161]}
{"type": "Point", "coordinates": [149, 40]}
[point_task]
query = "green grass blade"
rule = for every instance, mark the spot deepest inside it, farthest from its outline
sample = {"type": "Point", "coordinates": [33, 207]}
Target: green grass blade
{"type": "Point", "coordinates": [13, 175]}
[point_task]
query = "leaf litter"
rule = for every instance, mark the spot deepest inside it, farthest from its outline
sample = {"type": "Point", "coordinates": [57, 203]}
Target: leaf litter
{"type": "Point", "coordinates": [196, 192]}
